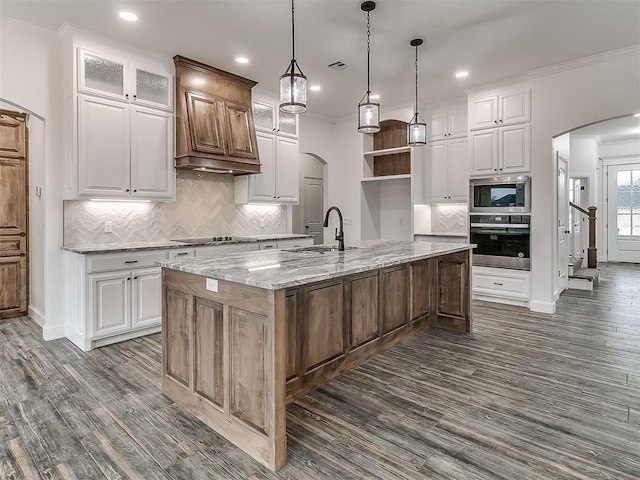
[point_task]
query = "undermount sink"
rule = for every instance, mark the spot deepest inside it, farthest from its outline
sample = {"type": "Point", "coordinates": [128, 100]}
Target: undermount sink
{"type": "Point", "coordinates": [318, 249]}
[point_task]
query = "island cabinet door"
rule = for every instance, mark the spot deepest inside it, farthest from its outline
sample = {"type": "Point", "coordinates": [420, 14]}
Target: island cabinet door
{"type": "Point", "coordinates": [452, 298]}
{"type": "Point", "coordinates": [363, 309]}
{"type": "Point", "coordinates": [394, 298]}
{"type": "Point", "coordinates": [421, 280]}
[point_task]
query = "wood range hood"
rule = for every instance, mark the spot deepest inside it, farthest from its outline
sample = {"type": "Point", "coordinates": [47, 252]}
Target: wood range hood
{"type": "Point", "coordinates": [214, 121]}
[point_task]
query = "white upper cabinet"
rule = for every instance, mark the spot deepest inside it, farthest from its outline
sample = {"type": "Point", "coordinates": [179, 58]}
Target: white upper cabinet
{"type": "Point", "coordinates": [269, 119]}
{"type": "Point", "coordinates": [447, 123]}
{"type": "Point", "coordinates": [278, 181]}
{"type": "Point", "coordinates": [501, 151]}
{"type": "Point", "coordinates": [120, 140]}
{"type": "Point", "coordinates": [497, 109]}
{"type": "Point", "coordinates": [115, 75]}
{"type": "Point", "coordinates": [449, 171]}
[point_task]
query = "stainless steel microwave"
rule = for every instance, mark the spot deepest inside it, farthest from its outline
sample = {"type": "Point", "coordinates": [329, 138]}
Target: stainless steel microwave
{"type": "Point", "coordinates": [505, 194]}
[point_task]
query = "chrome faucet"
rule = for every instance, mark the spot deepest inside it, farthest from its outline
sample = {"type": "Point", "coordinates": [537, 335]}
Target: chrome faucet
{"type": "Point", "coordinates": [339, 236]}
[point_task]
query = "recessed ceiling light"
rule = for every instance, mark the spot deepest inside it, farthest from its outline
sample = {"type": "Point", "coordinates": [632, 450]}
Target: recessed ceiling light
{"type": "Point", "coordinates": [375, 96]}
{"type": "Point", "coordinates": [462, 74]}
{"type": "Point", "coordinates": [128, 16]}
{"type": "Point", "coordinates": [242, 60]}
{"type": "Point", "coordinates": [637, 115]}
{"type": "Point", "coordinates": [314, 88]}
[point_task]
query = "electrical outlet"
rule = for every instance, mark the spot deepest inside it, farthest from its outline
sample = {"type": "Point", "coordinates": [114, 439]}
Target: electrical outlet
{"type": "Point", "coordinates": [348, 221]}
{"type": "Point", "coordinates": [401, 221]}
{"type": "Point", "coordinates": [108, 227]}
{"type": "Point", "coordinates": [461, 222]}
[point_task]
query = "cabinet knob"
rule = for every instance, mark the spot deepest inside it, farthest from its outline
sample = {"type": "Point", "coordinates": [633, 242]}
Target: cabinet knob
{"type": "Point", "coordinates": [495, 121]}
{"type": "Point", "coordinates": [501, 121]}
{"type": "Point", "coordinates": [135, 97]}
{"type": "Point", "coordinates": [127, 190]}
{"type": "Point", "coordinates": [128, 279]}
{"type": "Point", "coordinates": [135, 278]}
{"type": "Point", "coordinates": [126, 95]}
{"type": "Point", "coordinates": [135, 190]}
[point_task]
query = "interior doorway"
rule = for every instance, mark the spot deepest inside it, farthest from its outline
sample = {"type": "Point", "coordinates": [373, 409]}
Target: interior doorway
{"type": "Point", "coordinates": [562, 169]}
{"type": "Point", "coordinates": [308, 214]}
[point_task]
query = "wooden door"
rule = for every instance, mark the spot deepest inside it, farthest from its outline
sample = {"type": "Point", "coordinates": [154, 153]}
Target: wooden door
{"type": "Point", "coordinates": [240, 131]}
{"type": "Point", "coordinates": [14, 215]}
{"type": "Point", "coordinates": [104, 155]}
{"type": "Point", "coordinates": [313, 209]}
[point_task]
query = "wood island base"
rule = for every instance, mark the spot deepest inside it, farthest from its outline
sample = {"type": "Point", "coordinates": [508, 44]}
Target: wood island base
{"type": "Point", "coordinates": [237, 356]}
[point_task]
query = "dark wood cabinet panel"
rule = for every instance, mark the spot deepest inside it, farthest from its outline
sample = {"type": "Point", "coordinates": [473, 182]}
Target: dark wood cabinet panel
{"type": "Point", "coordinates": [364, 312]}
{"type": "Point", "coordinates": [177, 354]}
{"type": "Point", "coordinates": [322, 325]}
{"type": "Point", "coordinates": [453, 285]}
{"type": "Point", "coordinates": [12, 135]}
{"type": "Point", "coordinates": [394, 296]}
{"type": "Point", "coordinates": [214, 120]}
{"type": "Point", "coordinates": [247, 367]}
{"type": "Point", "coordinates": [204, 124]}
{"type": "Point", "coordinates": [208, 344]}
{"type": "Point", "coordinates": [420, 289]}
{"type": "Point", "coordinates": [13, 278]}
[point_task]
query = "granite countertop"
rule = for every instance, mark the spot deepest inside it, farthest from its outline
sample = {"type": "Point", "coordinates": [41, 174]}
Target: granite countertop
{"type": "Point", "coordinates": [169, 244]}
{"type": "Point", "coordinates": [277, 269]}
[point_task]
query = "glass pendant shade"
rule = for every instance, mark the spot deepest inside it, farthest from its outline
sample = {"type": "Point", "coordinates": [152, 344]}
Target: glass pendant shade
{"type": "Point", "coordinates": [293, 91]}
{"type": "Point", "coordinates": [416, 131]}
{"type": "Point", "coordinates": [368, 115]}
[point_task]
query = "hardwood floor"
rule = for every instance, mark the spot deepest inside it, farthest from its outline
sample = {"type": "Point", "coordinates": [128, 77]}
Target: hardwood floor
{"type": "Point", "coordinates": [526, 396]}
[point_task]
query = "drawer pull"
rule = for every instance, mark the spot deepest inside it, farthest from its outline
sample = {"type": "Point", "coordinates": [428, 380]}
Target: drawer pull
{"type": "Point", "coordinates": [496, 283]}
{"type": "Point", "coordinates": [131, 261]}
{"type": "Point", "coordinates": [182, 254]}
{"type": "Point", "coordinates": [268, 246]}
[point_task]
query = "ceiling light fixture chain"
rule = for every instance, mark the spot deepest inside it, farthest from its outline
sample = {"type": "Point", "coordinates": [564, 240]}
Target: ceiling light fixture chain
{"type": "Point", "coordinates": [293, 84]}
{"type": "Point", "coordinates": [368, 109]}
{"type": "Point", "coordinates": [416, 128]}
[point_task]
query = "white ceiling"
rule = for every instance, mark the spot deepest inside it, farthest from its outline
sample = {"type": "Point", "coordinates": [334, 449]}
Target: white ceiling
{"type": "Point", "coordinates": [493, 39]}
{"type": "Point", "coordinates": [614, 130]}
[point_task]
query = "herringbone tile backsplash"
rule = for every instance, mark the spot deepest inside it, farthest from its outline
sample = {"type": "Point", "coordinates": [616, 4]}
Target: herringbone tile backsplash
{"type": "Point", "coordinates": [203, 207]}
{"type": "Point", "coordinates": [444, 218]}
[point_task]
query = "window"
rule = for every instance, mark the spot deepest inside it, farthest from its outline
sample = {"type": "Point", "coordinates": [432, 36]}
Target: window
{"type": "Point", "coordinates": [628, 201]}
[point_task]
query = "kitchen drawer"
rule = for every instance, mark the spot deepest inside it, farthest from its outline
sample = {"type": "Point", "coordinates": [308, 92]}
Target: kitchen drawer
{"type": "Point", "coordinates": [268, 245]}
{"type": "Point", "coordinates": [224, 249]}
{"type": "Point", "coordinates": [11, 245]}
{"type": "Point", "coordinates": [295, 243]}
{"type": "Point", "coordinates": [181, 253]}
{"type": "Point", "coordinates": [502, 283]}
{"type": "Point", "coordinates": [120, 261]}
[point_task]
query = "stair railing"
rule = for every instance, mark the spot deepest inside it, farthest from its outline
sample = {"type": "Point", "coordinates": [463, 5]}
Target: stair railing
{"type": "Point", "coordinates": [592, 251]}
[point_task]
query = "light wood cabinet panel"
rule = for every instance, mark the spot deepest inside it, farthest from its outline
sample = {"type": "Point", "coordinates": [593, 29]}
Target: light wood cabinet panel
{"type": "Point", "coordinates": [12, 135]}
{"type": "Point", "coordinates": [12, 246]}
{"type": "Point", "coordinates": [208, 345]}
{"type": "Point", "coordinates": [420, 287]}
{"type": "Point", "coordinates": [293, 341]}
{"type": "Point", "coordinates": [13, 197]}
{"type": "Point", "coordinates": [323, 325]}
{"type": "Point", "coordinates": [13, 286]}
{"type": "Point", "coordinates": [394, 298]}
{"type": "Point", "coordinates": [247, 364]}
{"type": "Point", "coordinates": [365, 318]}
{"type": "Point", "coordinates": [240, 142]}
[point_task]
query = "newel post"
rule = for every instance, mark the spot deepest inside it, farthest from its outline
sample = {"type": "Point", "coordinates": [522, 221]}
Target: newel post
{"type": "Point", "coordinates": [592, 251]}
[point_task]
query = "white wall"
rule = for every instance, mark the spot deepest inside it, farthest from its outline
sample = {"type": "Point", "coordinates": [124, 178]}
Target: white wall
{"type": "Point", "coordinates": [563, 101]}
{"type": "Point", "coordinates": [30, 77]}
{"type": "Point", "coordinates": [584, 156]}
{"type": "Point", "coordinates": [627, 148]}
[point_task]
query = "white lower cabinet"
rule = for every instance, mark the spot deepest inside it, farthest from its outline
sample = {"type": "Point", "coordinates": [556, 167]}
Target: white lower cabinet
{"type": "Point", "coordinates": [502, 285]}
{"type": "Point", "coordinates": [146, 298]}
{"type": "Point", "coordinates": [110, 303]}
{"type": "Point", "coordinates": [295, 243]}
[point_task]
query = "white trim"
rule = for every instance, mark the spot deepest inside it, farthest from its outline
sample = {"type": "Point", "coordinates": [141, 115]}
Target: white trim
{"type": "Point", "coordinates": [586, 61]}
{"type": "Point", "coordinates": [620, 160]}
{"type": "Point", "coordinates": [542, 307]}
{"type": "Point", "coordinates": [53, 333]}
{"type": "Point", "coordinates": [28, 28]}
{"type": "Point", "coordinates": [37, 316]}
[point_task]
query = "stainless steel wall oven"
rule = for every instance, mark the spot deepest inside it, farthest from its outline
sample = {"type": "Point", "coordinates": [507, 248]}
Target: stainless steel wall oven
{"type": "Point", "coordinates": [502, 240]}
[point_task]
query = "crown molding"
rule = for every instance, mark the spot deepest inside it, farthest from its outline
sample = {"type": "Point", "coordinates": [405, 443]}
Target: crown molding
{"type": "Point", "coordinates": [28, 28]}
{"type": "Point", "coordinates": [503, 82]}
{"type": "Point", "coordinates": [633, 51]}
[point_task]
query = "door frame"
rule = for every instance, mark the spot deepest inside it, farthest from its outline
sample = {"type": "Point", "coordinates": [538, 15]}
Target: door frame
{"type": "Point", "coordinates": [561, 280]}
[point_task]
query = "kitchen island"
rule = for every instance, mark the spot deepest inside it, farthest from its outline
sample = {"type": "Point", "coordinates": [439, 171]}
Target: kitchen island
{"type": "Point", "coordinates": [245, 334]}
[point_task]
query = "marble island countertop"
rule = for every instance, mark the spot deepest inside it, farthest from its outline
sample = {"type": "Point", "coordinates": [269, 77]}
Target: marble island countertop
{"type": "Point", "coordinates": [167, 244]}
{"type": "Point", "coordinates": [277, 269]}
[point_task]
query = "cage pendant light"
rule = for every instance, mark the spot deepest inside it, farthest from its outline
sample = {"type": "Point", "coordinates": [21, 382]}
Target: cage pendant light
{"type": "Point", "coordinates": [417, 128]}
{"type": "Point", "coordinates": [293, 83]}
{"type": "Point", "coordinates": [368, 109]}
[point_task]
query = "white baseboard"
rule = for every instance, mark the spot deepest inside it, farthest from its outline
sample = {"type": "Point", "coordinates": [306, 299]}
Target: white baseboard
{"type": "Point", "coordinates": [53, 333]}
{"type": "Point", "coordinates": [542, 307]}
{"type": "Point", "coordinates": [36, 315]}
{"type": "Point", "coordinates": [504, 300]}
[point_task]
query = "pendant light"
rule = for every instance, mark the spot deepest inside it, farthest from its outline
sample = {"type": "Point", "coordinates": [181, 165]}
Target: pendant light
{"type": "Point", "coordinates": [293, 83]}
{"type": "Point", "coordinates": [368, 109]}
{"type": "Point", "coordinates": [417, 128]}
